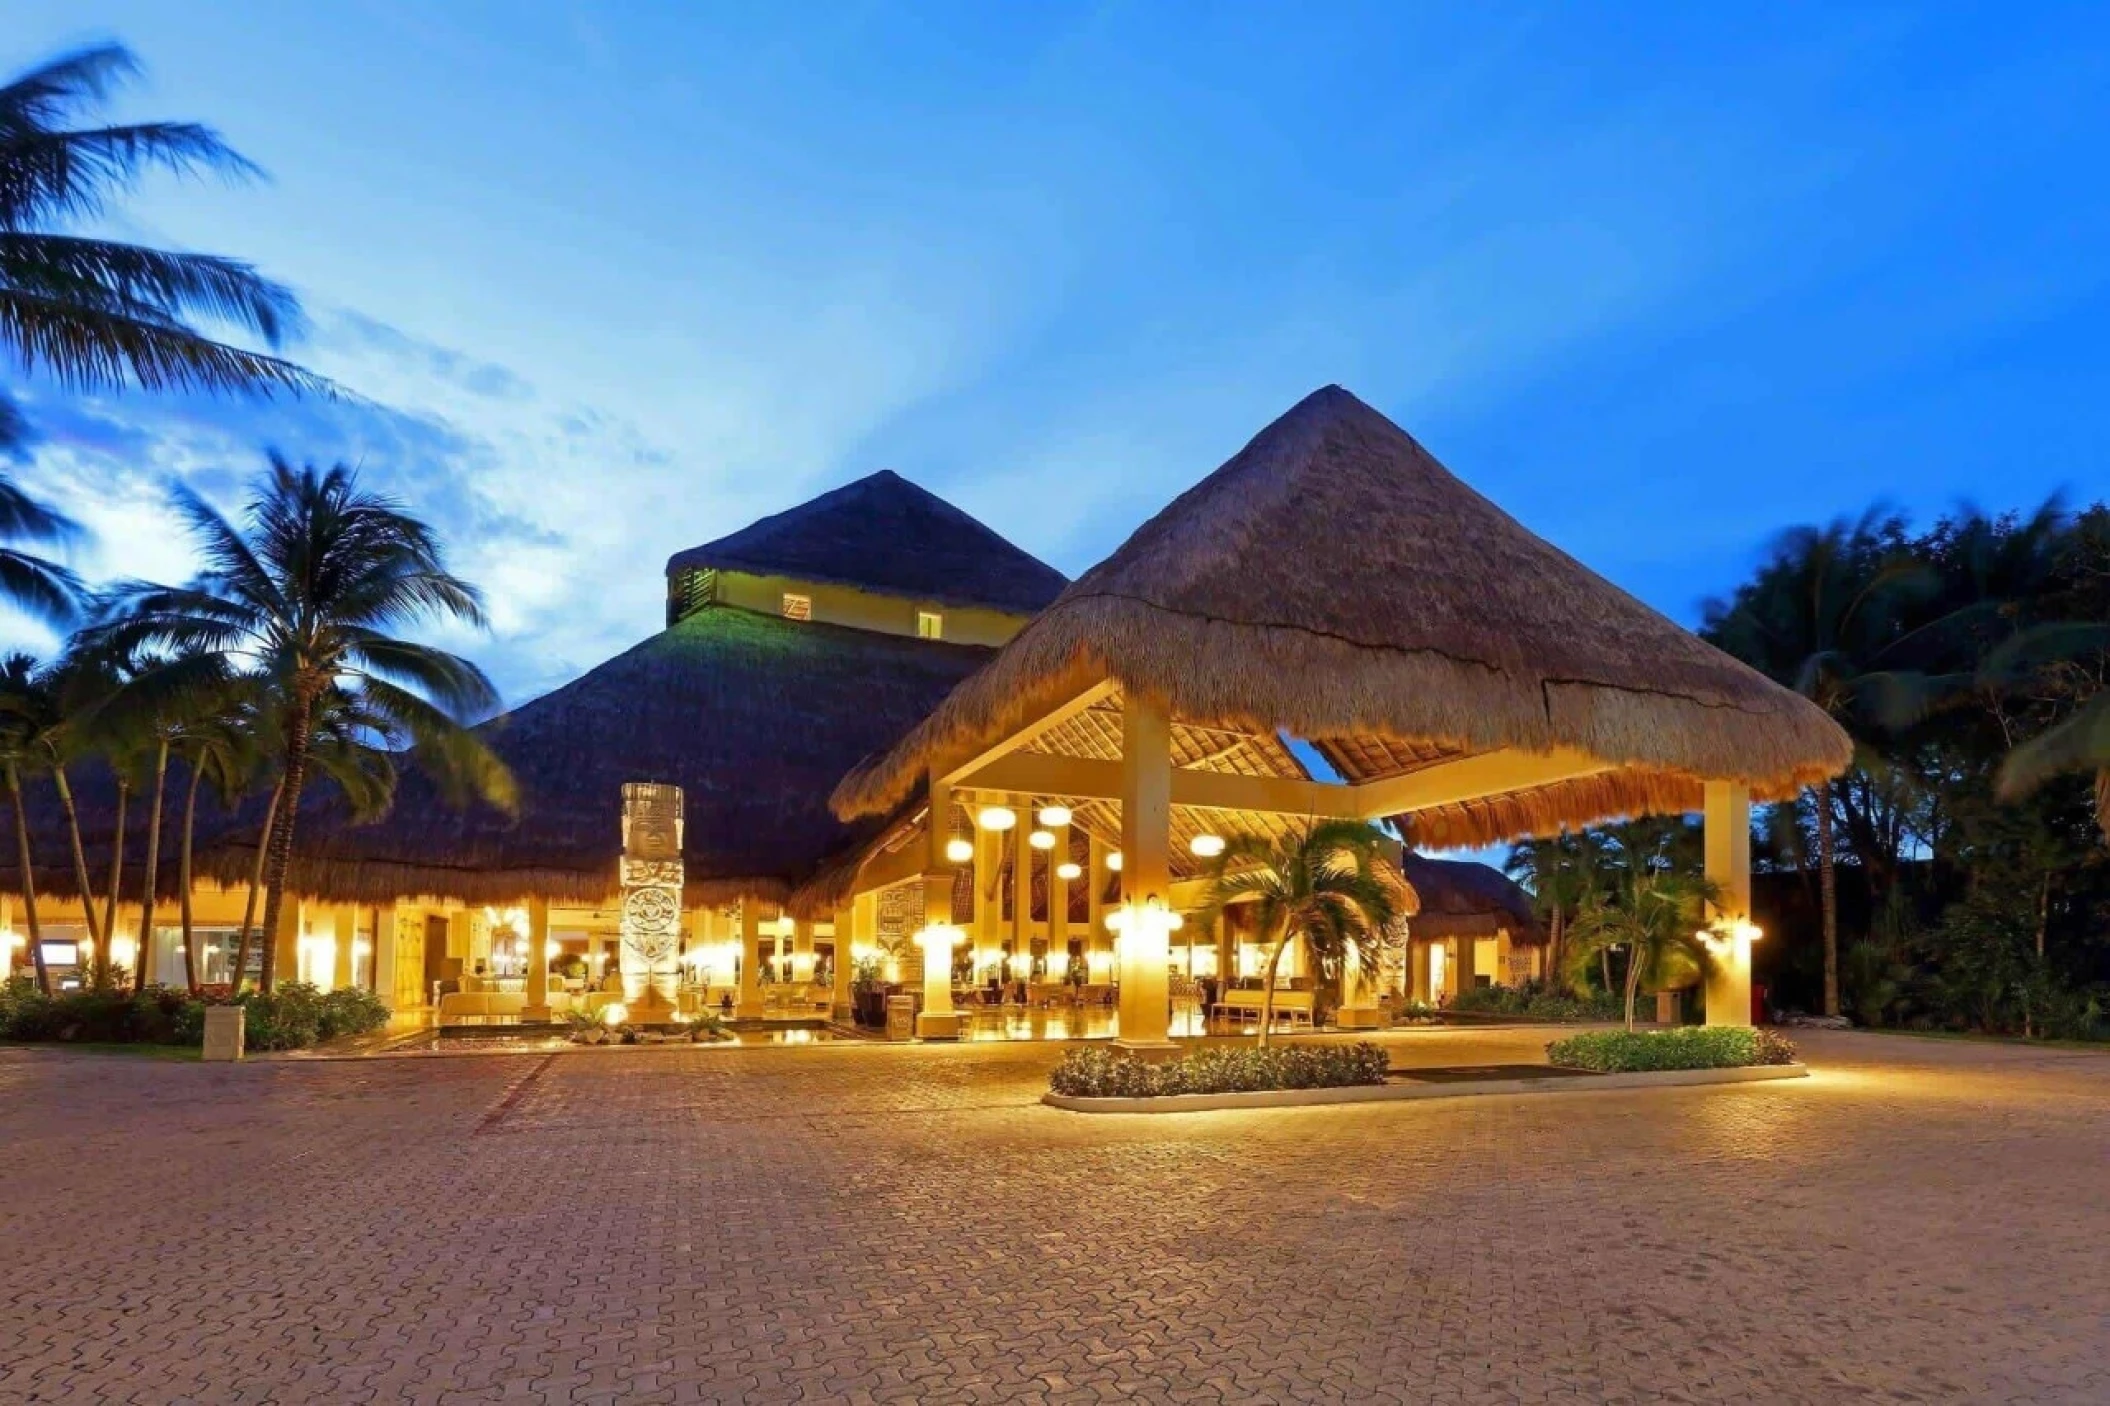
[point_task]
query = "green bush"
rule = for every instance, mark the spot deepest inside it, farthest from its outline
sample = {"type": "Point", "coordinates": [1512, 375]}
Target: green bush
{"type": "Point", "coordinates": [1099, 1072]}
{"type": "Point", "coordinates": [293, 1017]}
{"type": "Point", "coordinates": [1537, 1001]}
{"type": "Point", "coordinates": [1686, 1047]}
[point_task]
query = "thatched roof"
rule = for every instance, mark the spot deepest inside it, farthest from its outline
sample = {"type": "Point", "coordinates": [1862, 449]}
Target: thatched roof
{"type": "Point", "coordinates": [1334, 580]}
{"type": "Point", "coordinates": [883, 533]}
{"type": "Point", "coordinates": [753, 716]}
{"type": "Point", "coordinates": [1459, 898]}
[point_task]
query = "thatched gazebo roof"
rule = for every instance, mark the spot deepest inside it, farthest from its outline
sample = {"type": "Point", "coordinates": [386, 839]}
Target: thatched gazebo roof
{"type": "Point", "coordinates": [1462, 898]}
{"type": "Point", "coordinates": [753, 716]}
{"type": "Point", "coordinates": [1334, 581]}
{"type": "Point", "coordinates": [883, 533]}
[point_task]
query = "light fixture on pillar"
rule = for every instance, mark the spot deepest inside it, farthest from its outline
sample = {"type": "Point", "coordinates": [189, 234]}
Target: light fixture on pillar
{"type": "Point", "coordinates": [1069, 869]}
{"type": "Point", "coordinates": [1113, 860]}
{"type": "Point", "coordinates": [1206, 846]}
{"type": "Point", "coordinates": [959, 849]}
{"type": "Point", "coordinates": [997, 818]}
{"type": "Point", "coordinates": [1041, 839]}
{"type": "Point", "coordinates": [1054, 817]}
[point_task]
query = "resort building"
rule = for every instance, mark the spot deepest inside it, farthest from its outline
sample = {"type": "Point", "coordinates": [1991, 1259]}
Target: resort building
{"type": "Point", "coordinates": [877, 746]}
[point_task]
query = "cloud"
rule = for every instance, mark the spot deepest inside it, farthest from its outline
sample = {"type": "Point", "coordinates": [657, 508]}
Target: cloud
{"type": "Point", "coordinates": [529, 491]}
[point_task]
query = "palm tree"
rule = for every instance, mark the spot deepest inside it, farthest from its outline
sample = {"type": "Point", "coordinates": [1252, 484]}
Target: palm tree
{"type": "Point", "coordinates": [1559, 872]}
{"type": "Point", "coordinates": [1657, 916]}
{"type": "Point", "coordinates": [1822, 617]}
{"type": "Point", "coordinates": [95, 314]}
{"type": "Point", "coordinates": [303, 594]}
{"type": "Point", "coordinates": [2078, 743]}
{"type": "Point", "coordinates": [26, 713]}
{"type": "Point", "coordinates": [219, 748]}
{"type": "Point", "coordinates": [33, 584]}
{"type": "Point", "coordinates": [1326, 883]}
{"type": "Point", "coordinates": [149, 715]}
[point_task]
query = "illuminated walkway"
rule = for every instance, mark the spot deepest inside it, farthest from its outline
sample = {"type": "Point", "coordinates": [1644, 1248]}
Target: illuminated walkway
{"type": "Point", "coordinates": [1921, 1221]}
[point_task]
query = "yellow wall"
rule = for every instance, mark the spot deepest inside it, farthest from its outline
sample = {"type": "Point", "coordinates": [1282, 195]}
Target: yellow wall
{"type": "Point", "coordinates": [864, 610]}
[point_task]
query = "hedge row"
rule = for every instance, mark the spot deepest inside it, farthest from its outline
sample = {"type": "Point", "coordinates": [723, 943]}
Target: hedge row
{"type": "Point", "coordinates": [1685, 1047]}
{"type": "Point", "coordinates": [293, 1017]}
{"type": "Point", "coordinates": [1098, 1072]}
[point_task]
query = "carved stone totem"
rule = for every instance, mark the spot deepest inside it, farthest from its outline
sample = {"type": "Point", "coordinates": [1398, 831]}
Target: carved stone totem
{"type": "Point", "coordinates": [652, 880]}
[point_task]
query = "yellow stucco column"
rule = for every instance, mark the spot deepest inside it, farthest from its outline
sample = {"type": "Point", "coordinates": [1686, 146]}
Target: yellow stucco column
{"type": "Point", "coordinates": [285, 943]}
{"type": "Point", "coordinates": [536, 1007]}
{"type": "Point", "coordinates": [1095, 896]}
{"type": "Point", "coordinates": [839, 988]}
{"type": "Point", "coordinates": [802, 950]}
{"type": "Point", "coordinates": [750, 1002]}
{"type": "Point", "coordinates": [988, 880]}
{"type": "Point", "coordinates": [938, 1020]}
{"type": "Point", "coordinates": [1727, 828]}
{"type": "Point", "coordinates": [1021, 924]}
{"type": "Point", "coordinates": [344, 926]}
{"type": "Point", "coordinates": [1146, 874]}
{"type": "Point", "coordinates": [1358, 994]}
{"type": "Point", "coordinates": [383, 970]}
{"type": "Point", "coordinates": [1059, 907]}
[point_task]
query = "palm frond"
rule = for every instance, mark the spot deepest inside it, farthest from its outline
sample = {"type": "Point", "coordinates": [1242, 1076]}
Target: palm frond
{"type": "Point", "coordinates": [85, 348]}
{"type": "Point", "coordinates": [174, 285]}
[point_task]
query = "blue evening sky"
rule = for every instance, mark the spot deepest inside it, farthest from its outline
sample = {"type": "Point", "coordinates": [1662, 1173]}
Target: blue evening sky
{"type": "Point", "coordinates": [617, 278]}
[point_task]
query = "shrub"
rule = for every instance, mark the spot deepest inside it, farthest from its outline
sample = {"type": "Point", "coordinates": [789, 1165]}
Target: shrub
{"type": "Point", "coordinates": [1687, 1047]}
{"type": "Point", "coordinates": [155, 1016]}
{"type": "Point", "coordinates": [1098, 1072]}
{"type": "Point", "coordinates": [1537, 1001]}
{"type": "Point", "coordinates": [351, 1011]}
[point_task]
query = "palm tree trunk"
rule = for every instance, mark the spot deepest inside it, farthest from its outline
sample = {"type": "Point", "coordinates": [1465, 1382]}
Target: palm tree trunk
{"type": "Point", "coordinates": [1633, 982]}
{"type": "Point", "coordinates": [29, 879]}
{"type": "Point", "coordinates": [1828, 889]}
{"type": "Point", "coordinates": [146, 882]}
{"type": "Point", "coordinates": [280, 852]}
{"type": "Point", "coordinates": [1604, 968]}
{"type": "Point", "coordinates": [256, 886]}
{"type": "Point", "coordinates": [80, 857]}
{"type": "Point", "coordinates": [103, 954]}
{"type": "Point", "coordinates": [1553, 949]}
{"type": "Point", "coordinates": [183, 852]}
{"type": "Point", "coordinates": [1267, 989]}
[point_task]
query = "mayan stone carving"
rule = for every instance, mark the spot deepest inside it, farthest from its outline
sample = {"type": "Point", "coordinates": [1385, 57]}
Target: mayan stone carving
{"type": "Point", "coordinates": [651, 873]}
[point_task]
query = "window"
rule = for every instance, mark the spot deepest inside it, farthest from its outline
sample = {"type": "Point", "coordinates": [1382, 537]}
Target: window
{"type": "Point", "coordinates": [930, 625]}
{"type": "Point", "coordinates": [797, 607]}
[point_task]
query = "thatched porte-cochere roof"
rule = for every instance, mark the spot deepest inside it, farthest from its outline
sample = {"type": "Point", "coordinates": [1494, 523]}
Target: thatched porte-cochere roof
{"type": "Point", "coordinates": [1334, 581]}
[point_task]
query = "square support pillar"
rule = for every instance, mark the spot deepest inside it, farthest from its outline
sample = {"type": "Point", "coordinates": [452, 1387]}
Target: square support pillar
{"type": "Point", "coordinates": [1726, 826]}
{"type": "Point", "coordinates": [285, 942]}
{"type": "Point", "coordinates": [383, 971]}
{"type": "Point", "coordinates": [1021, 915]}
{"type": "Point", "coordinates": [1059, 907]}
{"type": "Point", "coordinates": [1358, 993]}
{"type": "Point", "coordinates": [750, 1002]}
{"type": "Point", "coordinates": [345, 924]}
{"type": "Point", "coordinates": [938, 1020]}
{"type": "Point", "coordinates": [1144, 946]}
{"type": "Point", "coordinates": [536, 1008]}
{"type": "Point", "coordinates": [1095, 896]}
{"type": "Point", "coordinates": [845, 962]}
{"type": "Point", "coordinates": [802, 950]}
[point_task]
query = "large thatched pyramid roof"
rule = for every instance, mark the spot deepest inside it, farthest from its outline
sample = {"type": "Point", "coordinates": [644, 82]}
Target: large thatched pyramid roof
{"type": "Point", "coordinates": [1335, 581]}
{"type": "Point", "coordinates": [883, 533]}
{"type": "Point", "coordinates": [753, 716]}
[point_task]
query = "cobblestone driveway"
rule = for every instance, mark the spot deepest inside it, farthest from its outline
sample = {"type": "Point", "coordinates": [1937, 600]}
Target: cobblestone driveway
{"type": "Point", "coordinates": [1922, 1221]}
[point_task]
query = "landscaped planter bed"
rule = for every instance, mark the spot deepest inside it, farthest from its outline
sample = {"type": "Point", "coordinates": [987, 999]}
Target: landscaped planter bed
{"type": "Point", "coordinates": [1407, 1091]}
